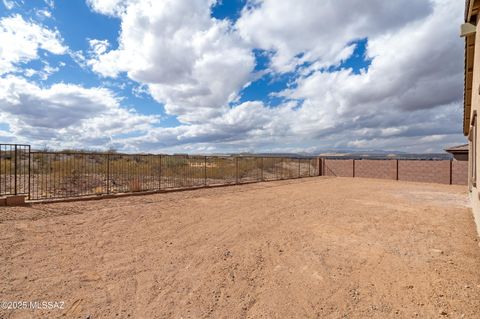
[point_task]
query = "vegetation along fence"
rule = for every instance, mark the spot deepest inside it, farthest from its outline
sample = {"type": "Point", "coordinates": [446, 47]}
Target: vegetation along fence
{"type": "Point", "coordinates": [48, 175]}
{"type": "Point", "coordinates": [14, 169]}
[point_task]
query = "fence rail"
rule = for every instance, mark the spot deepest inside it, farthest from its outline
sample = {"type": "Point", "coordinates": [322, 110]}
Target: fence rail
{"type": "Point", "coordinates": [51, 175]}
{"type": "Point", "coordinates": [14, 169]}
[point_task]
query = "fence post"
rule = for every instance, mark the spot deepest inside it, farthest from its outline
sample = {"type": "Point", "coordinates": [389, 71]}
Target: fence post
{"type": "Point", "coordinates": [261, 171]}
{"type": "Point", "coordinates": [108, 173]}
{"type": "Point", "coordinates": [282, 168]}
{"type": "Point", "coordinates": [15, 169]}
{"type": "Point", "coordinates": [160, 173]}
{"type": "Point", "coordinates": [205, 171]}
{"type": "Point", "coordinates": [29, 170]}
{"type": "Point", "coordinates": [397, 169]}
{"type": "Point", "coordinates": [451, 162]}
{"type": "Point", "coordinates": [298, 168]}
{"type": "Point", "coordinates": [353, 168]}
{"type": "Point", "coordinates": [320, 167]}
{"type": "Point", "coordinates": [236, 169]}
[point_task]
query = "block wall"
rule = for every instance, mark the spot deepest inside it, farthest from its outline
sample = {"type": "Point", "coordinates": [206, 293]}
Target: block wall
{"type": "Point", "coordinates": [343, 168]}
{"type": "Point", "coordinates": [428, 171]}
{"type": "Point", "coordinates": [460, 172]}
{"type": "Point", "coordinates": [385, 169]}
{"type": "Point", "coordinates": [424, 171]}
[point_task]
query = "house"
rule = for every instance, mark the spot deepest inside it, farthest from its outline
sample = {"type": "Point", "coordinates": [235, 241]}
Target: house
{"type": "Point", "coordinates": [472, 98]}
{"type": "Point", "coordinates": [459, 152]}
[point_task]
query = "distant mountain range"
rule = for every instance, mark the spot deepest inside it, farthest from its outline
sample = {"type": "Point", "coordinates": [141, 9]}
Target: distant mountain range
{"type": "Point", "coordinates": [355, 154]}
{"type": "Point", "coordinates": [388, 155]}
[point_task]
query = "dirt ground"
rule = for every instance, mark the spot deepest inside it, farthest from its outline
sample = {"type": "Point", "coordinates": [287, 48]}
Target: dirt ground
{"type": "Point", "coordinates": [310, 248]}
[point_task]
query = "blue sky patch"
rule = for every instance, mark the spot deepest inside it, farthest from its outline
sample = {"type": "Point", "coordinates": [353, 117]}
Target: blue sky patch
{"type": "Point", "coordinates": [265, 88]}
{"type": "Point", "coordinates": [358, 61]}
{"type": "Point", "coordinates": [228, 9]}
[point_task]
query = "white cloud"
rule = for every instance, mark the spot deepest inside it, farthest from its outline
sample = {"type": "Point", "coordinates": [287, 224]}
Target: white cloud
{"type": "Point", "coordinates": [43, 73]}
{"type": "Point", "coordinates": [65, 114]}
{"type": "Point", "coordinates": [196, 65]}
{"type": "Point", "coordinates": [320, 30]}
{"type": "Point", "coordinates": [414, 69]}
{"type": "Point", "coordinates": [43, 14]}
{"type": "Point", "coordinates": [79, 58]}
{"type": "Point", "coordinates": [109, 7]}
{"type": "Point", "coordinates": [249, 120]}
{"type": "Point", "coordinates": [191, 63]}
{"type": "Point", "coordinates": [21, 41]}
{"type": "Point", "coordinates": [9, 4]}
{"type": "Point", "coordinates": [98, 47]}
{"type": "Point", "coordinates": [50, 3]}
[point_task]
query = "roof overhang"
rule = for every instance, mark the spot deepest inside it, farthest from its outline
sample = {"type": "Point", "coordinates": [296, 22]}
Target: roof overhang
{"type": "Point", "coordinates": [459, 149]}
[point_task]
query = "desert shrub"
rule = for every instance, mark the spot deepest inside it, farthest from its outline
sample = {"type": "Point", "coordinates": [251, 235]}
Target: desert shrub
{"type": "Point", "coordinates": [134, 185]}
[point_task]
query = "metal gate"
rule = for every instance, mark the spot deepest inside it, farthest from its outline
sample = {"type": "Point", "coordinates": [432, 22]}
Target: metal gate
{"type": "Point", "coordinates": [14, 169]}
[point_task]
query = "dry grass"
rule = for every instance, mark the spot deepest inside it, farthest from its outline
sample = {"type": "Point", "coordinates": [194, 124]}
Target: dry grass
{"type": "Point", "coordinates": [134, 185]}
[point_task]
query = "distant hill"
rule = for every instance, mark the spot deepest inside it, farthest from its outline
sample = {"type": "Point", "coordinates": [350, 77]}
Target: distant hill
{"type": "Point", "coordinates": [352, 154]}
{"type": "Point", "coordinates": [376, 154]}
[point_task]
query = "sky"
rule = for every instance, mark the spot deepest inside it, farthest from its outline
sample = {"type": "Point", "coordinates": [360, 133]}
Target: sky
{"type": "Point", "coordinates": [221, 76]}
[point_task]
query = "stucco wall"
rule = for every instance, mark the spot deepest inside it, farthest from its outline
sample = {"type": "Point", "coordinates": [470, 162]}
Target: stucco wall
{"type": "Point", "coordinates": [475, 107]}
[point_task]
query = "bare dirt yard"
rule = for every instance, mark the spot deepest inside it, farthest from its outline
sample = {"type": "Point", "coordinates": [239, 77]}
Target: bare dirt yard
{"type": "Point", "coordinates": [309, 248]}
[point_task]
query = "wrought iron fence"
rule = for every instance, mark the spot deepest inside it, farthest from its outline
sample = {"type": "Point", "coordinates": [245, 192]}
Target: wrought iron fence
{"type": "Point", "coordinates": [14, 169]}
{"type": "Point", "coordinates": [49, 175]}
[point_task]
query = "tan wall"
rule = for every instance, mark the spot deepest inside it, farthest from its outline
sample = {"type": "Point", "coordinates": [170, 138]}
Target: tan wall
{"type": "Point", "coordinates": [460, 172]}
{"type": "Point", "coordinates": [408, 170]}
{"type": "Point", "coordinates": [386, 169]}
{"type": "Point", "coordinates": [475, 107]}
{"type": "Point", "coordinates": [424, 171]}
{"type": "Point", "coordinates": [475, 207]}
{"type": "Point", "coordinates": [343, 168]}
